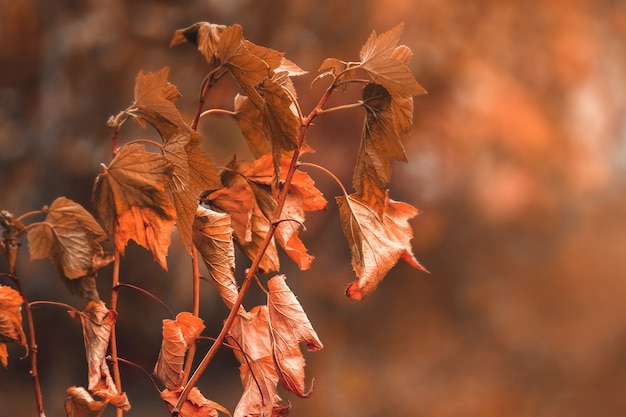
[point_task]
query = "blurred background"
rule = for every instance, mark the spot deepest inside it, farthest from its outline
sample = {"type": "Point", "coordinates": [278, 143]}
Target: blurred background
{"type": "Point", "coordinates": [517, 160]}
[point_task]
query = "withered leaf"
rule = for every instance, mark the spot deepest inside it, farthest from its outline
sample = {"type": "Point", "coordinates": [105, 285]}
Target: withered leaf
{"type": "Point", "coordinates": [251, 125]}
{"type": "Point", "coordinates": [97, 321]}
{"type": "Point", "coordinates": [258, 370]}
{"type": "Point", "coordinates": [80, 403]}
{"type": "Point", "coordinates": [379, 145]}
{"type": "Point", "coordinates": [302, 196]}
{"type": "Point", "coordinates": [289, 327]}
{"type": "Point", "coordinates": [213, 237]}
{"type": "Point", "coordinates": [11, 330]}
{"type": "Point", "coordinates": [178, 336]}
{"type": "Point", "coordinates": [131, 200]}
{"type": "Point", "coordinates": [386, 63]}
{"type": "Point", "coordinates": [248, 221]}
{"type": "Point", "coordinates": [376, 244]}
{"type": "Point", "coordinates": [281, 122]}
{"type": "Point", "coordinates": [203, 174]}
{"type": "Point", "coordinates": [196, 404]}
{"type": "Point", "coordinates": [155, 100]}
{"type": "Point", "coordinates": [71, 238]}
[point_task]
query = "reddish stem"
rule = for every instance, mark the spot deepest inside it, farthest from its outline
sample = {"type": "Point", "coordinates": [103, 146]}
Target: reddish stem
{"type": "Point", "coordinates": [257, 259]}
{"type": "Point", "coordinates": [115, 286]}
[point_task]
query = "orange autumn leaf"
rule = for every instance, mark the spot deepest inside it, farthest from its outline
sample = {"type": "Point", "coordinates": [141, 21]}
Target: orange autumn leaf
{"type": "Point", "coordinates": [289, 327]}
{"type": "Point", "coordinates": [155, 100]}
{"type": "Point", "coordinates": [130, 199]}
{"type": "Point", "coordinates": [376, 244]}
{"type": "Point", "coordinates": [196, 404]}
{"type": "Point", "coordinates": [259, 377]}
{"type": "Point", "coordinates": [11, 330]}
{"type": "Point", "coordinates": [213, 237]}
{"type": "Point", "coordinates": [178, 336]}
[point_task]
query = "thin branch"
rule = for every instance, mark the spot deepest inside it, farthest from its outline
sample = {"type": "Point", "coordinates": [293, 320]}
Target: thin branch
{"type": "Point", "coordinates": [149, 294]}
{"type": "Point", "coordinates": [115, 286]}
{"type": "Point", "coordinates": [146, 373]}
{"type": "Point", "coordinates": [32, 347]}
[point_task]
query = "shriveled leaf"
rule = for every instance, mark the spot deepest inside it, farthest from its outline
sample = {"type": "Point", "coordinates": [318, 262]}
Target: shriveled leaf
{"type": "Point", "coordinates": [11, 330]}
{"type": "Point", "coordinates": [248, 221]}
{"type": "Point", "coordinates": [131, 200]}
{"type": "Point", "coordinates": [80, 403]}
{"type": "Point", "coordinates": [302, 196]}
{"type": "Point", "coordinates": [289, 327]}
{"type": "Point", "coordinates": [380, 144]}
{"type": "Point", "coordinates": [71, 238]}
{"type": "Point", "coordinates": [178, 336]}
{"type": "Point", "coordinates": [169, 366]}
{"type": "Point", "coordinates": [376, 244]}
{"type": "Point", "coordinates": [386, 63]}
{"type": "Point", "coordinates": [281, 123]}
{"type": "Point", "coordinates": [334, 67]}
{"type": "Point", "coordinates": [213, 237]}
{"type": "Point", "coordinates": [155, 100]}
{"type": "Point", "coordinates": [97, 321]}
{"type": "Point", "coordinates": [186, 205]}
{"type": "Point", "coordinates": [196, 404]}
{"type": "Point", "coordinates": [257, 371]}
{"type": "Point", "coordinates": [251, 125]}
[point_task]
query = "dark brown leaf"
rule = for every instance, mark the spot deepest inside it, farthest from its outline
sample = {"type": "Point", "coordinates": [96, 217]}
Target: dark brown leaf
{"type": "Point", "coordinates": [131, 200]}
{"type": "Point", "coordinates": [379, 145]}
{"type": "Point", "coordinates": [376, 244]}
{"type": "Point", "coordinates": [289, 327]}
{"type": "Point", "coordinates": [71, 238]}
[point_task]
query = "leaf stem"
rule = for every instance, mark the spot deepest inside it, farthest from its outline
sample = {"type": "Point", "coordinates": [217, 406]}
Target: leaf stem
{"type": "Point", "coordinates": [191, 353]}
{"type": "Point", "coordinates": [28, 214]}
{"type": "Point", "coordinates": [149, 294]}
{"type": "Point", "coordinates": [54, 303]}
{"type": "Point", "coordinates": [330, 174]}
{"type": "Point", "coordinates": [342, 107]}
{"type": "Point", "coordinates": [218, 111]}
{"type": "Point", "coordinates": [251, 272]}
{"type": "Point", "coordinates": [127, 362]}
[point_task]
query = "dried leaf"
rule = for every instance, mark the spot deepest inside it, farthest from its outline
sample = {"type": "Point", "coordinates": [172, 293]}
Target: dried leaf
{"type": "Point", "coordinates": [386, 63]}
{"type": "Point", "coordinates": [251, 125]}
{"type": "Point", "coordinates": [376, 244]}
{"type": "Point", "coordinates": [196, 404]}
{"type": "Point", "coordinates": [379, 145]}
{"type": "Point", "coordinates": [257, 371]}
{"type": "Point", "coordinates": [289, 327]}
{"type": "Point", "coordinates": [71, 238]}
{"type": "Point", "coordinates": [302, 196]}
{"type": "Point", "coordinates": [97, 321]}
{"type": "Point", "coordinates": [80, 403]}
{"type": "Point", "coordinates": [281, 122]}
{"type": "Point", "coordinates": [249, 228]}
{"type": "Point", "coordinates": [11, 330]}
{"type": "Point", "coordinates": [155, 100]}
{"type": "Point", "coordinates": [131, 200]}
{"type": "Point", "coordinates": [213, 237]}
{"type": "Point", "coordinates": [203, 174]}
